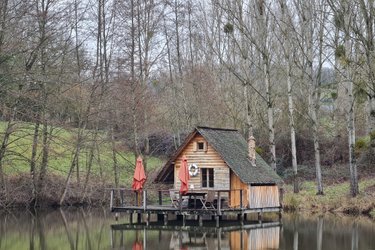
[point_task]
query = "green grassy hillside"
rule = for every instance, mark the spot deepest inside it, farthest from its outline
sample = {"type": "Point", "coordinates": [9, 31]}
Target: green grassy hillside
{"type": "Point", "coordinates": [62, 145]}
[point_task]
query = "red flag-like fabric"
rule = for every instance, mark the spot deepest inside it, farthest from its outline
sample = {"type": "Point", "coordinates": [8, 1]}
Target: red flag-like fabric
{"type": "Point", "coordinates": [184, 176]}
{"type": "Point", "coordinates": [137, 246]}
{"type": "Point", "coordinates": [139, 175]}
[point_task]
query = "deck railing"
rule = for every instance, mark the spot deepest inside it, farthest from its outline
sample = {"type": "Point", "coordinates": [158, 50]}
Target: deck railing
{"type": "Point", "coordinates": [127, 198]}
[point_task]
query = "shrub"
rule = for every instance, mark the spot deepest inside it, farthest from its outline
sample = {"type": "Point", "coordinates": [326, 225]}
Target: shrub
{"type": "Point", "coordinates": [372, 135]}
{"type": "Point", "coordinates": [361, 144]}
{"type": "Point", "coordinates": [259, 150]}
{"type": "Point", "coordinates": [372, 213]}
{"type": "Point", "coordinates": [291, 203]}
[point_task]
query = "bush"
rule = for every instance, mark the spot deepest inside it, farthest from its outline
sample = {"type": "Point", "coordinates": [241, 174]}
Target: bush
{"type": "Point", "coordinates": [372, 213]}
{"type": "Point", "coordinates": [291, 203]}
{"type": "Point", "coordinates": [372, 135]}
{"type": "Point", "coordinates": [361, 144]}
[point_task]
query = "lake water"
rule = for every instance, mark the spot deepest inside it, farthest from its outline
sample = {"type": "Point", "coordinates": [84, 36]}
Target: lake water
{"type": "Point", "coordinates": [97, 229]}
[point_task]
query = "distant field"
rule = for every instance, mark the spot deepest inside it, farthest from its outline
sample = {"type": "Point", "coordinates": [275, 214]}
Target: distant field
{"type": "Point", "coordinates": [18, 153]}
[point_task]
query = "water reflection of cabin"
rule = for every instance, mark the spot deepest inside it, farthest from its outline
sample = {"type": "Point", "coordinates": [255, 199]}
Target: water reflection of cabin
{"type": "Point", "coordinates": [221, 159]}
{"type": "Point", "coordinates": [265, 235]}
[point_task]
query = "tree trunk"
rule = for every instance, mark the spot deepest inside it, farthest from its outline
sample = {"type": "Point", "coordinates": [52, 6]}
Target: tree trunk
{"type": "Point", "coordinates": [350, 114]}
{"type": "Point", "coordinates": [34, 150]}
{"type": "Point", "coordinates": [45, 154]}
{"type": "Point", "coordinates": [292, 129]}
{"type": "Point", "coordinates": [354, 190]}
{"type": "Point", "coordinates": [271, 128]}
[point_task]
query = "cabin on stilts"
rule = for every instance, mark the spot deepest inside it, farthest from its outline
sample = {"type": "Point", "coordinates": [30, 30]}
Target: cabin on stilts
{"type": "Point", "coordinates": [221, 159]}
{"type": "Point", "coordinates": [227, 177]}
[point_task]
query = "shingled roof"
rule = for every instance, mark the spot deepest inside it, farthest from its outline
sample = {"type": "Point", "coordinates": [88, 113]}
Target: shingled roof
{"type": "Point", "coordinates": [232, 147]}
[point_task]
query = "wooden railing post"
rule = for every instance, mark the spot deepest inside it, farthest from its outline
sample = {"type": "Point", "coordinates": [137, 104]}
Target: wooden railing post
{"type": "Point", "coordinates": [160, 198]}
{"type": "Point", "coordinates": [218, 203]}
{"type": "Point", "coordinates": [144, 200]}
{"type": "Point", "coordinates": [180, 202]}
{"type": "Point", "coordinates": [136, 198]}
{"type": "Point", "coordinates": [122, 197]}
{"type": "Point", "coordinates": [241, 198]}
{"type": "Point", "coordinates": [111, 201]}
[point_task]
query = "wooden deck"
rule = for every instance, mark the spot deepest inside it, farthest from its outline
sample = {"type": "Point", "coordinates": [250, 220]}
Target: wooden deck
{"type": "Point", "coordinates": [155, 209]}
{"type": "Point", "coordinates": [159, 202]}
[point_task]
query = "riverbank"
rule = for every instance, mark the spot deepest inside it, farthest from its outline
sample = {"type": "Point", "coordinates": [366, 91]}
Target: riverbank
{"type": "Point", "coordinates": [336, 198]}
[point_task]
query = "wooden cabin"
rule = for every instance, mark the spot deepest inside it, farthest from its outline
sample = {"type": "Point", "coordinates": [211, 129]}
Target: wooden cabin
{"type": "Point", "coordinates": [221, 159]}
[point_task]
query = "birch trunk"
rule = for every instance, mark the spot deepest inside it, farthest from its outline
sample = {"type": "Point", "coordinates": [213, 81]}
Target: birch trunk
{"type": "Point", "coordinates": [314, 86]}
{"type": "Point", "coordinates": [271, 128]}
{"type": "Point", "coordinates": [287, 48]}
{"type": "Point", "coordinates": [354, 190]}
{"type": "Point", "coordinates": [262, 24]}
{"type": "Point", "coordinates": [292, 130]}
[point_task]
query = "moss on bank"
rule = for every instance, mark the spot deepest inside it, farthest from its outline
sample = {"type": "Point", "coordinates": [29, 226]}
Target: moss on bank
{"type": "Point", "coordinates": [335, 199]}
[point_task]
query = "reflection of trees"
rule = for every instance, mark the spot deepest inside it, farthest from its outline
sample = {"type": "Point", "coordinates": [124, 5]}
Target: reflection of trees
{"type": "Point", "coordinates": [319, 233]}
{"type": "Point", "coordinates": [354, 236]}
{"type": "Point", "coordinates": [39, 223]}
{"type": "Point", "coordinates": [37, 227]}
{"type": "Point", "coordinates": [32, 230]}
{"type": "Point", "coordinates": [67, 231]}
{"type": "Point", "coordinates": [87, 231]}
{"type": "Point", "coordinates": [295, 233]}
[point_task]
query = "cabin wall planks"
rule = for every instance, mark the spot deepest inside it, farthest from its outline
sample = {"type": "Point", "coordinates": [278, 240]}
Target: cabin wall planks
{"type": "Point", "coordinates": [264, 196]}
{"type": "Point", "coordinates": [236, 185]}
{"type": "Point", "coordinates": [207, 158]}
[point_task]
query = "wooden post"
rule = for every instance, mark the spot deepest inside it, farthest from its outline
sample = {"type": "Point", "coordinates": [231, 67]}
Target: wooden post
{"type": "Point", "coordinates": [111, 202]}
{"type": "Point", "coordinates": [180, 202]}
{"type": "Point", "coordinates": [131, 218]}
{"type": "Point", "coordinates": [217, 221]}
{"type": "Point", "coordinates": [136, 198]}
{"type": "Point", "coordinates": [148, 219]}
{"type": "Point", "coordinates": [160, 198]}
{"type": "Point", "coordinates": [165, 219]}
{"type": "Point", "coordinates": [139, 218]}
{"type": "Point", "coordinates": [144, 200]}
{"type": "Point", "coordinates": [183, 220]}
{"type": "Point", "coordinates": [122, 197]}
{"type": "Point", "coordinates": [260, 216]}
{"type": "Point", "coordinates": [200, 219]}
{"type": "Point", "coordinates": [218, 203]}
{"type": "Point", "coordinates": [241, 198]}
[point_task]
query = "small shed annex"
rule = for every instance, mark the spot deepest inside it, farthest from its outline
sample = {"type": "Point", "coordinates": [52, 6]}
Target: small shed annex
{"type": "Point", "coordinates": [219, 159]}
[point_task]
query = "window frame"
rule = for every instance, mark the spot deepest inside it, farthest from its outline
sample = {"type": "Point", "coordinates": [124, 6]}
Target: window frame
{"type": "Point", "coordinates": [198, 144]}
{"type": "Point", "coordinates": [207, 178]}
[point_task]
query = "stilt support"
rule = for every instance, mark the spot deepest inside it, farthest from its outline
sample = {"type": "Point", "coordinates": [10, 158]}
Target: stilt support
{"type": "Point", "coordinates": [139, 217]}
{"type": "Point", "coordinates": [148, 219]}
{"type": "Point", "coordinates": [260, 216]}
{"type": "Point", "coordinates": [165, 219]}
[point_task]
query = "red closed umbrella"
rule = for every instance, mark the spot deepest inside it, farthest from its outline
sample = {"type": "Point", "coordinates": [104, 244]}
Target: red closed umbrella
{"type": "Point", "coordinates": [137, 246]}
{"type": "Point", "coordinates": [139, 175]}
{"type": "Point", "coordinates": [184, 176]}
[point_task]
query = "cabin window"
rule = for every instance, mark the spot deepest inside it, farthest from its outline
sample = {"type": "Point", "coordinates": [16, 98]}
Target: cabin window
{"type": "Point", "coordinates": [201, 146]}
{"type": "Point", "coordinates": [207, 177]}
